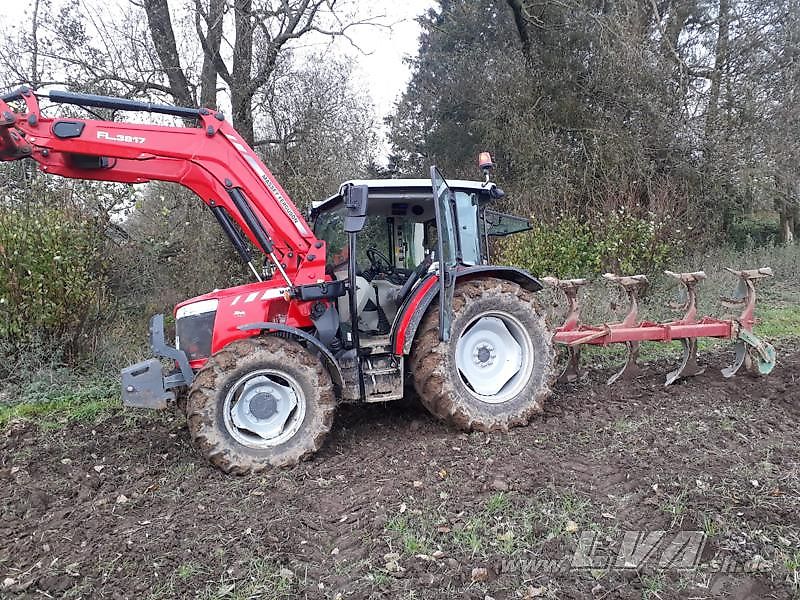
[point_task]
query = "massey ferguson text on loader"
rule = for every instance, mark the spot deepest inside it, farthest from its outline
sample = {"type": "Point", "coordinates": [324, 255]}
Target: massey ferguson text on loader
{"type": "Point", "coordinates": [393, 280]}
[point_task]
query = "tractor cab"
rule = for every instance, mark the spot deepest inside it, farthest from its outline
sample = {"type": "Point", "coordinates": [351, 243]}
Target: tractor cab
{"type": "Point", "coordinates": [398, 245]}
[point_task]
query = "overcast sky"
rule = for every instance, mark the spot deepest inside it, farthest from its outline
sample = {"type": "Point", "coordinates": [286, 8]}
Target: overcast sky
{"type": "Point", "coordinates": [381, 65]}
{"type": "Point", "coordinates": [384, 69]}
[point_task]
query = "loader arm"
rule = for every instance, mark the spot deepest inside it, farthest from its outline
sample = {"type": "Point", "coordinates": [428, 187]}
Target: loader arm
{"type": "Point", "coordinates": [212, 160]}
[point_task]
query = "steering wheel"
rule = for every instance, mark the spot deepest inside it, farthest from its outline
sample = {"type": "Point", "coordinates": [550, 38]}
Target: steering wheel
{"type": "Point", "coordinates": [379, 261]}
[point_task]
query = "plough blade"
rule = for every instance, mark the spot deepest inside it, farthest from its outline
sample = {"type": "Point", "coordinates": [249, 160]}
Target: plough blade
{"type": "Point", "coordinates": [570, 287]}
{"type": "Point", "coordinates": [756, 356]}
{"type": "Point", "coordinates": [741, 356]}
{"type": "Point", "coordinates": [688, 366]}
{"type": "Point", "coordinates": [633, 286]}
{"type": "Point", "coordinates": [572, 370]}
{"type": "Point", "coordinates": [631, 369]}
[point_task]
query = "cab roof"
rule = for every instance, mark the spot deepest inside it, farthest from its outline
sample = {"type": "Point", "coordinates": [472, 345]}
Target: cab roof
{"type": "Point", "coordinates": [400, 186]}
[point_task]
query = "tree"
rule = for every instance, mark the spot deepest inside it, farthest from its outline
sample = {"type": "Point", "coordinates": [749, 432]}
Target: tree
{"type": "Point", "coordinates": [318, 127]}
{"type": "Point", "coordinates": [189, 55]}
{"type": "Point", "coordinates": [678, 108]}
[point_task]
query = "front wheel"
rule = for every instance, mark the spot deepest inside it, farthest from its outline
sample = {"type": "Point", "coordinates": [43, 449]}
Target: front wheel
{"type": "Point", "coordinates": [497, 368]}
{"type": "Point", "coordinates": [259, 403]}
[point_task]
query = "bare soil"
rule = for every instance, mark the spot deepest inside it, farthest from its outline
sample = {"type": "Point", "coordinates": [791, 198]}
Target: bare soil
{"type": "Point", "coordinates": [397, 505]}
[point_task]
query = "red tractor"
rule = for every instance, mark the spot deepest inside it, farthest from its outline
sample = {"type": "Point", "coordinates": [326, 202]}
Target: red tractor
{"type": "Point", "coordinates": [391, 282]}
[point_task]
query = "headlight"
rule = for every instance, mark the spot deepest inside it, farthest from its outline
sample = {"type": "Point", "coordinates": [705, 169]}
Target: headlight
{"type": "Point", "coordinates": [194, 327]}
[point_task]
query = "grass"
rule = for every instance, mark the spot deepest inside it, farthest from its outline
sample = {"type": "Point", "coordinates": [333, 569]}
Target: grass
{"type": "Point", "coordinates": [652, 586]}
{"type": "Point", "coordinates": [188, 570]}
{"type": "Point", "coordinates": [263, 580]}
{"type": "Point", "coordinates": [497, 503]}
{"type": "Point", "coordinates": [674, 505]}
{"type": "Point", "coordinates": [777, 323]}
{"type": "Point", "coordinates": [377, 578]}
{"type": "Point", "coordinates": [54, 407]}
{"type": "Point", "coordinates": [792, 565]}
{"type": "Point", "coordinates": [506, 524]}
{"type": "Point", "coordinates": [709, 523]}
{"type": "Point", "coordinates": [413, 537]}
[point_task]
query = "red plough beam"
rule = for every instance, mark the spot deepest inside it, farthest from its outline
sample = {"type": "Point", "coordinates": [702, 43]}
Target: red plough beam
{"type": "Point", "coordinates": [754, 355]}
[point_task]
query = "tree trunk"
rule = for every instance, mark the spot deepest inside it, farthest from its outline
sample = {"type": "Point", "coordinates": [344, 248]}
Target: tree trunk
{"type": "Point", "coordinates": [677, 14]}
{"type": "Point", "coordinates": [241, 97]}
{"type": "Point", "coordinates": [523, 32]}
{"type": "Point", "coordinates": [35, 79]}
{"type": "Point", "coordinates": [787, 224]}
{"type": "Point", "coordinates": [720, 60]}
{"type": "Point", "coordinates": [208, 77]}
{"type": "Point", "coordinates": [160, 23]}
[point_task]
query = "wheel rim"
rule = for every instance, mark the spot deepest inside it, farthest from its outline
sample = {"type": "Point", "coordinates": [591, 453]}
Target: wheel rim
{"type": "Point", "coordinates": [494, 357]}
{"type": "Point", "coordinates": [264, 408]}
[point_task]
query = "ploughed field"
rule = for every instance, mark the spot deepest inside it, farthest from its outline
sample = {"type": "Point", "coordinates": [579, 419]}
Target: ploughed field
{"type": "Point", "coordinates": [632, 491]}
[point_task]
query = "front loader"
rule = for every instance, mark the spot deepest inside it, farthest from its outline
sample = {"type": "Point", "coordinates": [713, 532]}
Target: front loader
{"type": "Point", "coordinates": [391, 282]}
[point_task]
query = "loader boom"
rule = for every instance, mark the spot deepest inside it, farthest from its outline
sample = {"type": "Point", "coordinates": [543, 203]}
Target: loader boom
{"type": "Point", "coordinates": [212, 160]}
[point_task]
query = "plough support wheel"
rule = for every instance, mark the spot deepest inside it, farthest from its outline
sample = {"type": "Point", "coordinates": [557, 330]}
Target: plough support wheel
{"type": "Point", "coordinates": [757, 357]}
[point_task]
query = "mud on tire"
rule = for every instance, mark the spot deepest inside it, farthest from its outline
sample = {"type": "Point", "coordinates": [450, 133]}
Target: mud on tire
{"type": "Point", "coordinates": [205, 406]}
{"type": "Point", "coordinates": [437, 378]}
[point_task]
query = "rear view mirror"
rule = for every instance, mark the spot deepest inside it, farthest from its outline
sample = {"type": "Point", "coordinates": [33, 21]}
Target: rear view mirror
{"type": "Point", "coordinates": [496, 193]}
{"type": "Point", "coordinates": [355, 201]}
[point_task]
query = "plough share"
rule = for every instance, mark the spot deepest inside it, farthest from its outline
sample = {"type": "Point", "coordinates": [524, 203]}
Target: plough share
{"type": "Point", "coordinates": [752, 354]}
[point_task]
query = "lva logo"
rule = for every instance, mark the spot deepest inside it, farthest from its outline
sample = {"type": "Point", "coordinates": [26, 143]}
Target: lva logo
{"type": "Point", "coordinates": [640, 548]}
{"type": "Point", "coordinates": [650, 550]}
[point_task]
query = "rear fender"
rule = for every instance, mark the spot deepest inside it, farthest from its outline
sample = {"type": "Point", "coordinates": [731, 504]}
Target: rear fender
{"type": "Point", "coordinates": [415, 307]}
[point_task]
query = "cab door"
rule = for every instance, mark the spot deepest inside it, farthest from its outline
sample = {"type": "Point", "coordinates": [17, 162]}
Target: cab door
{"type": "Point", "coordinates": [446, 250]}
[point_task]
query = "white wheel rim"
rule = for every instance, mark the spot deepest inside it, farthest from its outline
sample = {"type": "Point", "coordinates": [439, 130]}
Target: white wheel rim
{"type": "Point", "coordinates": [264, 409]}
{"type": "Point", "coordinates": [494, 357]}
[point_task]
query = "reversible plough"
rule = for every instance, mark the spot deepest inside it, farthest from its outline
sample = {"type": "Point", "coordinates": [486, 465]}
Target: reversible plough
{"type": "Point", "coordinates": [752, 354]}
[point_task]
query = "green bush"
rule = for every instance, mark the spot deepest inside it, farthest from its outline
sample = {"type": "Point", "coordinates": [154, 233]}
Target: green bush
{"type": "Point", "coordinates": [628, 244]}
{"type": "Point", "coordinates": [571, 247]}
{"type": "Point", "coordinates": [53, 280]}
{"type": "Point", "coordinates": [752, 232]}
{"type": "Point", "coordinates": [565, 249]}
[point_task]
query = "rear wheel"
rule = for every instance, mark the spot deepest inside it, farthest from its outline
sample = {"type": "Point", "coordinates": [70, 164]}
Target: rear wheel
{"type": "Point", "coordinates": [259, 403]}
{"type": "Point", "coordinates": [496, 370]}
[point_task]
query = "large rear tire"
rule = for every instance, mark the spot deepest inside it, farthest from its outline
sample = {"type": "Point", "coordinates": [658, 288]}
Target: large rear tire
{"type": "Point", "coordinates": [498, 366]}
{"type": "Point", "coordinates": [260, 403]}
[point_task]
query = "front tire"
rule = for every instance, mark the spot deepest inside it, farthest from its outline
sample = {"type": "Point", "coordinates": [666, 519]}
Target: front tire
{"type": "Point", "coordinates": [260, 403]}
{"type": "Point", "coordinates": [498, 366]}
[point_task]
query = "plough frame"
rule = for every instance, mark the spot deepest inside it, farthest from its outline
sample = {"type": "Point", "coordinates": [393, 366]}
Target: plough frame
{"type": "Point", "coordinates": [756, 356]}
